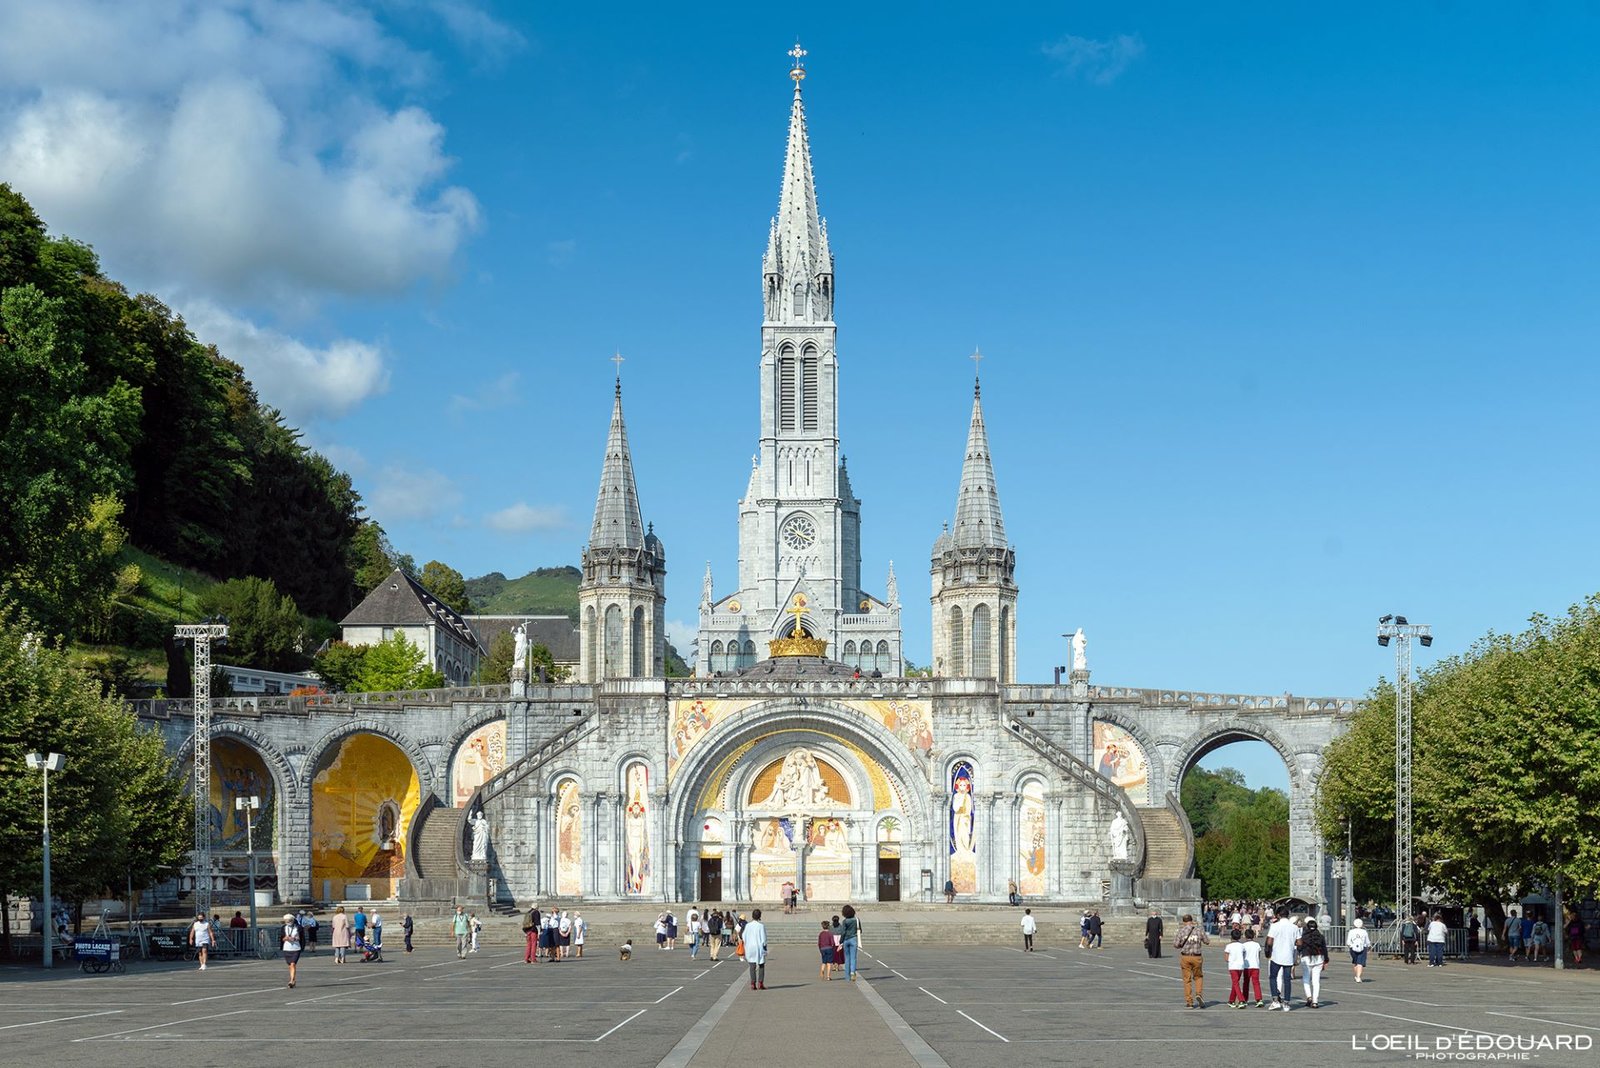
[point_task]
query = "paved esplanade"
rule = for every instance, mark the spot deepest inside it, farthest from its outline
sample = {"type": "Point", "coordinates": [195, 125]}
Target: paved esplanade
{"type": "Point", "coordinates": [926, 1005]}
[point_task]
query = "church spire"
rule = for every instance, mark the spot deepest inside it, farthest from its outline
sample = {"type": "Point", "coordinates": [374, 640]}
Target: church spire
{"type": "Point", "coordinates": [616, 509]}
{"type": "Point", "coordinates": [978, 520]}
{"type": "Point", "coordinates": [798, 266]}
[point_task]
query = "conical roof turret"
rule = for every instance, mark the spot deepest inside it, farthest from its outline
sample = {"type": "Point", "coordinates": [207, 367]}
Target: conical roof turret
{"type": "Point", "coordinates": [978, 519]}
{"type": "Point", "coordinates": [617, 524]}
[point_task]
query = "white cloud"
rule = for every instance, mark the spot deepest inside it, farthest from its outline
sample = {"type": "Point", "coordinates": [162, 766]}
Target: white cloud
{"type": "Point", "coordinates": [305, 383]}
{"type": "Point", "coordinates": [500, 393]}
{"type": "Point", "coordinates": [524, 518]}
{"type": "Point", "coordinates": [490, 39]}
{"type": "Point", "coordinates": [1097, 62]}
{"type": "Point", "coordinates": [406, 493]}
{"type": "Point", "coordinates": [349, 460]}
{"type": "Point", "coordinates": [238, 148]}
{"type": "Point", "coordinates": [682, 636]}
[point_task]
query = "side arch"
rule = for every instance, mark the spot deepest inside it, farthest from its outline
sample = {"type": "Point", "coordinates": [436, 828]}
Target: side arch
{"type": "Point", "coordinates": [427, 777]}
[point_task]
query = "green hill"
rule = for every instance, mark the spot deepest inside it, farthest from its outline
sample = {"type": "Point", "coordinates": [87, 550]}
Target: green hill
{"type": "Point", "coordinates": [545, 591]}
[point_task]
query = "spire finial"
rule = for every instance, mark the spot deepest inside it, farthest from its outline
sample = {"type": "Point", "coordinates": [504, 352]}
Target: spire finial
{"type": "Point", "coordinates": [797, 73]}
{"type": "Point", "coordinates": [977, 363]}
{"type": "Point", "coordinates": [619, 359]}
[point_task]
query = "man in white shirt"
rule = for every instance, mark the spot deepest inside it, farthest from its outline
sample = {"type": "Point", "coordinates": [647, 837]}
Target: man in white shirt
{"type": "Point", "coordinates": [1281, 939]}
{"type": "Point", "coordinates": [1437, 933]}
{"type": "Point", "coordinates": [755, 950]}
{"type": "Point", "coordinates": [1029, 926]}
{"type": "Point", "coordinates": [693, 922]}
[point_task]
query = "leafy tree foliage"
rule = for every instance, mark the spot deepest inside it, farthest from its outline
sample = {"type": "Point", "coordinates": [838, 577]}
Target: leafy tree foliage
{"type": "Point", "coordinates": [495, 668]}
{"type": "Point", "coordinates": [446, 583]}
{"type": "Point", "coordinates": [264, 626]}
{"type": "Point", "coordinates": [1355, 795]}
{"type": "Point", "coordinates": [1241, 835]}
{"type": "Point", "coordinates": [340, 666]}
{"type": "Point", "coordinates": [396, 664]}
{"type": "Point", "coordinates": [373, 557]}
{"type": "Point", "coordinates": [118, 810]}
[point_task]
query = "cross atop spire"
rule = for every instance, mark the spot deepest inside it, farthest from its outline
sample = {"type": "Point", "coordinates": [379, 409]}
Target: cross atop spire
{"type": "Point", "coordinates": [618, 359]}
{"type": "Point", "coordinates": [797, 72]}
{"type": "Point", "coordinates": [977, 365]}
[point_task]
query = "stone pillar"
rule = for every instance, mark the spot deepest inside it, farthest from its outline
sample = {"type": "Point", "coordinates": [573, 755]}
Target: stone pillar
{"type": "Point", "coordinates": [294, 847]}
{"type": "Point", "coordinates": [864, 871]}
{"type": "Point", "coordinates": [599, 884]}
{"type": "Point", "coordinates": [1305, 846]}
{"type": "Point", "coordinates": [991, 884]}
{"type": "Point", "coordinates": [666, 851]}
{"type": "Point", "coordinates": [1121, 902]}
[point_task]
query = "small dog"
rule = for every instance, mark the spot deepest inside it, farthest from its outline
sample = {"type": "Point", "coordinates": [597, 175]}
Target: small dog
{"type": "Point", "coordinates": [627, 950]}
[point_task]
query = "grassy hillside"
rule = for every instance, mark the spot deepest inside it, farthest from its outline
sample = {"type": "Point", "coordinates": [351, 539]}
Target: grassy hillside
{"type": "Point", "coordinates": [126, 650]}
{"type": "Point", "coordinates": [546, 591]}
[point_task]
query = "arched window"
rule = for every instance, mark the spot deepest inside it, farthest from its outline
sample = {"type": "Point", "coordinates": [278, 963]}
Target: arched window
{"type": "Point", "coordinates": [569, 836]}
{"type": "Point", "coordinates": [638, 867]}
{"type": "Point", "coordinates": [637, 641]}
{"type": "Point", "coordinates": [717, 663]}
{"type": "Point", "coordinates": [613, 664]}
{"type": "Point", "coordinates": [850, 654]}
{"type": "Point", "coordinates": [808, 390]}
{"type": "Point", "coordinates": [982, 640]}
{"type": "Point", "coordinates": [786, 390]}
{"type": "Point", "coordinates": [958, 642]}
{"type": "Point", "coordinates": [591, 644]}
{"type": "Point", "coordinates": [1003, 646]}
{"type": "Point", "coordinates": [883, 663]}
{"type": "Point", "coordinates": [747, 656]}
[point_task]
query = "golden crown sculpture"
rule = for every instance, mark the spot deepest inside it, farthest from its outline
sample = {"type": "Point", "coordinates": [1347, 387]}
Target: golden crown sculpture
{"type": "Point", "coordinates": [801, 643]}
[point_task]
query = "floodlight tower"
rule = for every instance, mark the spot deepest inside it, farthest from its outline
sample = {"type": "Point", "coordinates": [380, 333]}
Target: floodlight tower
{"type": "Point", "coordinates": [203, 634]}
{"type": "Point", "coordinates": [1397, 629]}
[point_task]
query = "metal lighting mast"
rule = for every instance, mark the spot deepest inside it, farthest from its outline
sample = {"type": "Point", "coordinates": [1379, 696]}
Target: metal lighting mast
{"type": "Point", "coordinates": [203, 634]}
{"type": "Point", "coordinates": [1395, 628]}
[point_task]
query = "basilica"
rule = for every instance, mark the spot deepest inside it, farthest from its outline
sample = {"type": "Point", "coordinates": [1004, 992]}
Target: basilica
{"type": "Point", "coordinates": [799, 756]}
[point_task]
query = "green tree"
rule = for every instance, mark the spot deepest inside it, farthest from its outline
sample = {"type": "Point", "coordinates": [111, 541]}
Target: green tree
{"type": "Point", "coordinates": [373, 557]}
{"type": "Point", "coordinates": [117, 811]}
{"type": "Point", "coordinates": [1241, 835]}
{"type": "Point", "coordinates": [445, 583]}
{"type": "Point", "coordinates": [1355, 795]}
{"type": "Point", "coordinates": [396, 664]}
{"type": "Point", "coordinates": [264, 626]}
{"type": "Point", "coordinates": [495, 668]}
{"type": "Point", "coordinates": [340, 666]}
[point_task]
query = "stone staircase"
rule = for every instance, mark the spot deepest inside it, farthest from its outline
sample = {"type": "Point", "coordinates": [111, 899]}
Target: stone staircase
{"type": "Point", "coordinates": [1168, 854]}
{"type": "Point", "coordinates": [437, 842]}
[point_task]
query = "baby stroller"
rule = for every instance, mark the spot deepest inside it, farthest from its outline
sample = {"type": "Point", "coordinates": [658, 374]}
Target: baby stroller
{"type": "Point", "coordinates": [370, 951]}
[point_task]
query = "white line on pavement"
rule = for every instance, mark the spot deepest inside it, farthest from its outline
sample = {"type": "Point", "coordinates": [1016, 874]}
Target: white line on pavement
{"type": "Point", "coordinates": [991, 1030]}
{"type": "Point", "coordinates": [61, 1019]}
{"type": "Point", "coordinates": [667, 995]}
{"type": "Point", "coordinates": [1390, 997]}
{"type": "Point", "coordinates": [682, 1053]}
{"type": "Point", "coordinates": [1540, 1019]}
{"type": "Point", "coordinates": [340, 994]}
{"type": "Point", "coordinates": [235, 994]}
{"type": "Point", "coordinates": [1431, 1023]}
{"type": "Point", "coordinates": [152, 1027]}
{"type": "Point", "coordinates": [932, 995]}
{"type": "Point", "coordinates": [621, 1025]}
{"type": "Point", "coordinates": [901, 974]}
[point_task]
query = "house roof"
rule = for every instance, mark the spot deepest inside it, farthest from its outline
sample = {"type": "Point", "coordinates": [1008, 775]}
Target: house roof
{"type": "Point", "coordinates": [556, 633]}
{"type": "Point", "coordinates": [400, 601]}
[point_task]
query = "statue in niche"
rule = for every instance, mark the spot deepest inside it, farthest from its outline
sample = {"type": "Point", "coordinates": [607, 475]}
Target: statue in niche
{"type": "Point", "coordinates": [799, 784]}
{"type": "Point", "coordinates": [1121, 837]}
{"type": "Point", "coordinates": [480, 836]}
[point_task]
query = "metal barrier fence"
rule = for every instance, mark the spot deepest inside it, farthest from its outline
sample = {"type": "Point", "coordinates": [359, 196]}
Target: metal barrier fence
{"type": "Point", "coordinates": [1386, 940]}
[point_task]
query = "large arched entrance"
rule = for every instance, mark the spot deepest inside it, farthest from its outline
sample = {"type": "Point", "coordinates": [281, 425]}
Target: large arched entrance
{"type": "Point", "coordinates": [364, 795]}
{"type": "Point", "coordinates": [813, 799]}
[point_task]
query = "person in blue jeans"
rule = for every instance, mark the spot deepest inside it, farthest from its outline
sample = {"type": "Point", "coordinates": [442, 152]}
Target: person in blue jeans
{"type": "Point", "coordinates": [849, 938]}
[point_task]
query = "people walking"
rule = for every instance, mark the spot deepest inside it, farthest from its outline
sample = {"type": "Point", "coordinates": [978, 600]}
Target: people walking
{"type": "Point", "coordinates": [1437, 933]}
{"type": "Point", "coordinates": [1252, 969]}
{"type": "Point", "coordinates": [1190, 944]}
{"type": "Point", "coordinates": [754, 936]}
{"type": "Point", "coordinates": [1281, 939]}
{"type": "Point", "coordinates": [1313, 958]}
{"type": "Point", "coordinates": [1083, 930]}
{"type": "Point", "coordinates": [714, 933]}
{"type": "Point", "coordinates": [838, 942]}
{"type": "Point", "coordinates": [849, 940]}
{"type": "Point", "coordinates": [474, 927]}
{"type": "Point", "coordinates": [375, 923]}
{"type": "Point", "coordinates": [532, 922]}
{"type": "Point", "coordinates": [1409, 934]}
{"type": "Point", "coordinates": [825, 948]}
{"type": "Point", "coordinates": [360, 923]}
{"type": "Point", "coordinates": [201, 938]}
{"type": "Point", "coordinates": [309, 925]}
{"type": "Point", "coordinates": [1513, 935]}
{"type": "Point", "coordinates": [1575, 934]}
{"type": "Point", "coordinates": [1358, 943]}
{"type": "Point", "coordinates": [692, 923]}
{"type": "Point", "coordinates": [461, 927]}
{"type": "Point", "coordinates": [1237, 998]}
{"type": "Point", "coordinates": [1541, 938]}
{"type": "Point", "coordinates": [661, 931]}
{"type": "Point", "coordinates": [1011, 892]}
{"type": "Point", "coordinates": [949, 892]}
{"type": "Point", "coordinates": [406, 926]}
{"type": "Point", "coordinates": [580, 931]}
{"type": "Point", "coordinates": [293, 943]}
{"type": "Point", "coordinates": [1029, 926]}
{"type": "Point", "coordinates": [1096, 930]}
{"type": "Point", "coordinates": [1154, 931]}
{"type": "Point", "coordinates": [341, 934]}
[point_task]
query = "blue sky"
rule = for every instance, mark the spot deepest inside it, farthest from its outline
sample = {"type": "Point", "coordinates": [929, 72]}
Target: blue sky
{"type": "Point", "coordinates": [1289, 317]}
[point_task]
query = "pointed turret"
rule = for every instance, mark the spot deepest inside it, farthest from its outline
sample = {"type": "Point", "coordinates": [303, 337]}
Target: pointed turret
{"type": "Point", "coordinates": [974, 572]}
{"type": "Point", "coordinates": [798, 266]}
{"type": "Point", "coordinates": [705, 590]}
{"type": "Point", "coordinates": [978, 519]}
{"type": "Point", "coordinates": [616, 508]}
{"type": "Point", "coordinates": [891, 588]}
{"type": "Point", "coordinates": [622, 593]}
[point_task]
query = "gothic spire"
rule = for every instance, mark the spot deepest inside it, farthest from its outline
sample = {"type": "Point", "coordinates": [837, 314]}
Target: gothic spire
{"type": "Point", "coordinates": [616, 509]}
{"type": "Point", "coordinates": [891, 589]}
{"type": "Point", "coordinates": [798, 265]}
{"type": "Point", "coordinates": [705, 590]}
{"type": "Point", "coordinates": [978, 521]}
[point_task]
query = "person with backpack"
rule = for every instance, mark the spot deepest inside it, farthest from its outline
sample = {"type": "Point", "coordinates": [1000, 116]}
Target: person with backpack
{"type": "Point", "coordinates": [1408, 939]}
{"type": "Point", "coordinates": [532, 924]}
{"type": "Point", "coordinates": [1313, 958]}
{"type": "Point", "coordinates": [1358, 942]}
{"type": "Point", "coordinates": [714, 933]}
{"type": "Point", "coordinates": [1190, 944]}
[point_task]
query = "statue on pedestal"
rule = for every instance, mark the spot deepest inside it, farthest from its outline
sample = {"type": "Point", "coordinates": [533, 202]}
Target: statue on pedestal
{"type": "Point", "coordinates": [1121, 837]}
{"type": "Point", "coordinates": [480, 837]}
{"type": "Point", "coordinates": [1080, 653]}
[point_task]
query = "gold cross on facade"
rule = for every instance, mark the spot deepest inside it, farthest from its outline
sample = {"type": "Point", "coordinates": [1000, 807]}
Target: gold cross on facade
{"type": "Point", "coordinates": [799, 611]}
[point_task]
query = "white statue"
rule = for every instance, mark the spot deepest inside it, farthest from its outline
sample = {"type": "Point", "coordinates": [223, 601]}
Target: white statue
{"type": "Point", "coordinates": [480, 836]}
{"type": "Point", "coordinates": [1080, 655]}
{"type": "Point", "coordinates": [1121, 837]}
{"type": "Point", "coordinates": [519, 655]}
{"type": "Point", "coordinates": [799, 784]}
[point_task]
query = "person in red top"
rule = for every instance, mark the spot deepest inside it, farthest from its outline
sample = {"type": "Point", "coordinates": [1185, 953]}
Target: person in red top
{"type": "Point", "coordinates": [825, 947]}
{"type": "Point", "coordinates": [238, 920]}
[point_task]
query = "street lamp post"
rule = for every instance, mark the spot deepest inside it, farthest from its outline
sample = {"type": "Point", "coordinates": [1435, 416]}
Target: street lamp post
{"type": "Point", "coordinates": [250, 806]}
{"type": "Point", "coordinates": [47, 764]}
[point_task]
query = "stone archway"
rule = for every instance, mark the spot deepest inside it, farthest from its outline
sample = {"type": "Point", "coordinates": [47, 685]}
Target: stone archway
{"type": "Point", "coordinates": [1308, 874]}
{"type": "Point", "coordinates": [364, 789]}
{"type": "Point", "coordinates": [244, 762]}
{"type": "Point", "coordinates": [715, 780]}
